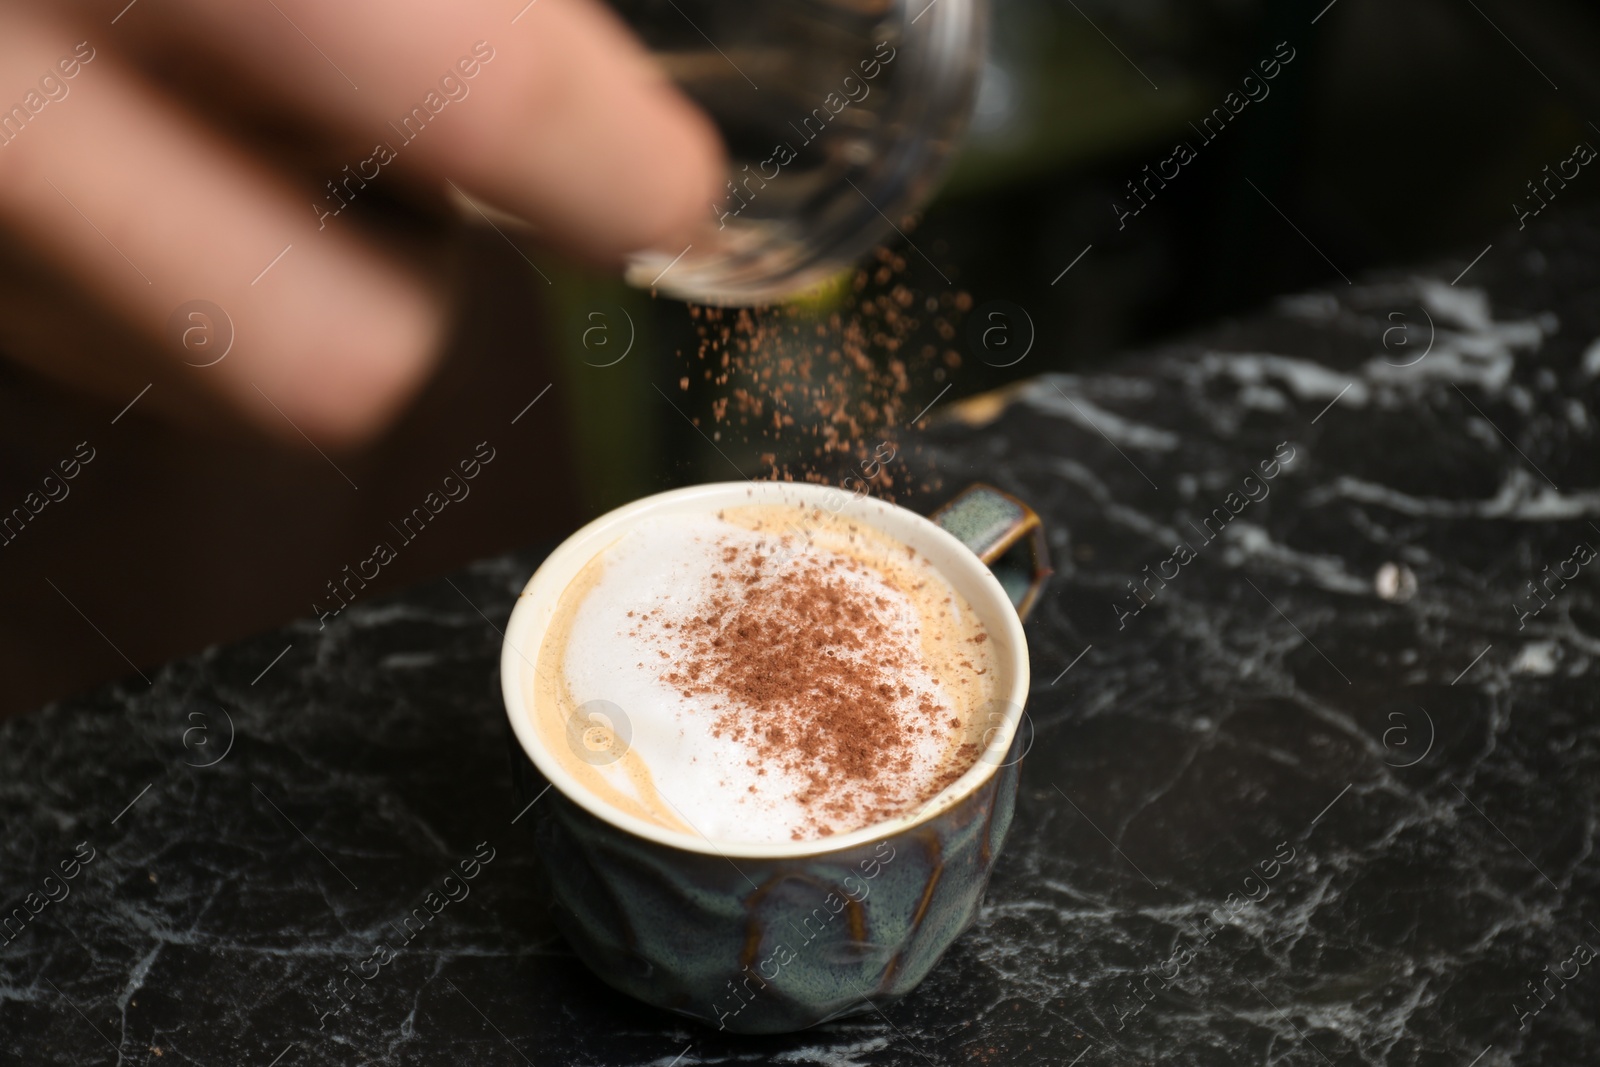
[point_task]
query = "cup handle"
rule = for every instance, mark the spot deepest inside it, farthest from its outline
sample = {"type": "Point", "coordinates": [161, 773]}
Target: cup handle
{"type": "Point", "coordinates": [1006, 534]}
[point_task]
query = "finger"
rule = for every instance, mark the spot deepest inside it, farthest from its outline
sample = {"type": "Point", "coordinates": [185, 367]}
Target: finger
{"type": "Point", "coordinates": [551, 110]}
{"type": "Point", "coordinates": [147, 209]}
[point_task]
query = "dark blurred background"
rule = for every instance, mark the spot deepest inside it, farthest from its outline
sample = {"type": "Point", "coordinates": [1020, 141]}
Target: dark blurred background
{"type": "Point", "coordinates": [1397, 134]}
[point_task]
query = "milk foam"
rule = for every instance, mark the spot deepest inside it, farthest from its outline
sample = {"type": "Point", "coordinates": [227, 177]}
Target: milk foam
{"type": "Point", "coordinates": [617, 637]}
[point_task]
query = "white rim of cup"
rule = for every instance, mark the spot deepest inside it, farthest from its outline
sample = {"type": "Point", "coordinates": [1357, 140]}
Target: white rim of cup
{"type": "Point", "coordinates": [536, 605]}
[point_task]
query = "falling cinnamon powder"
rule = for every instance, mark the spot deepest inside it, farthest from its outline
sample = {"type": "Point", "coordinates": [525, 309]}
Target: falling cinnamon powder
{"type": "Point", "coordinates": [836, 386]}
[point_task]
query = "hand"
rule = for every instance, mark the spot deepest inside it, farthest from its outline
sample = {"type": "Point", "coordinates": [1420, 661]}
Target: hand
{"type": "Point", "coordinates": [164, 151]}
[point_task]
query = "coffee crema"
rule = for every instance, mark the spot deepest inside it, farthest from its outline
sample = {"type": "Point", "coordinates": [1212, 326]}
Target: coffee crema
{"type": "Point", "coordinates": [763, 673]}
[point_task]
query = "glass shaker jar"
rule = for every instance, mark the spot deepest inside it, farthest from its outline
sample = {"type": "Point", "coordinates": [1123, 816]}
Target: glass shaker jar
{"type": "Point", "coordinates": [839, 117]}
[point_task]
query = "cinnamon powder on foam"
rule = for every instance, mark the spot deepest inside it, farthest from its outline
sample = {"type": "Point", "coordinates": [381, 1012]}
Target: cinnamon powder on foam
{"type": "Point", "coordinates": [804, 667]}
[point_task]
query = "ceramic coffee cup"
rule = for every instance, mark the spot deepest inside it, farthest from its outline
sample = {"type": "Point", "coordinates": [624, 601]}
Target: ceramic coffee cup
{"type": "Point", "coordinates": [767, 938]}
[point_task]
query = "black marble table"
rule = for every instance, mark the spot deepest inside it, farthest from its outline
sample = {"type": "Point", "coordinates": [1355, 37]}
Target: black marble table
{"type": "Point", "coordinates": [1321, 789]}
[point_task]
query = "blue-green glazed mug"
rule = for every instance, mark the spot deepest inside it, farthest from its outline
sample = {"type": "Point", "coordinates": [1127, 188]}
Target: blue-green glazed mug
{"type": "Point", "coordinates": [775, 937]}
